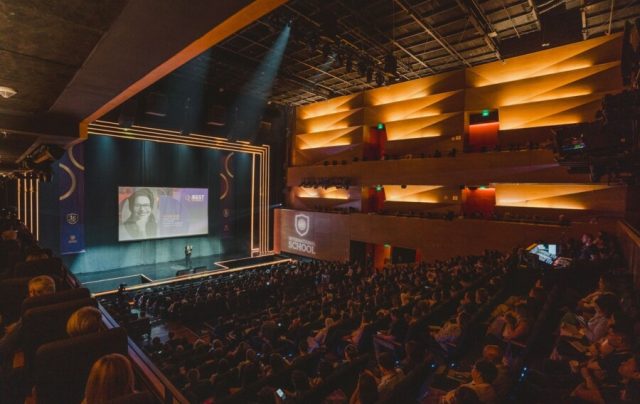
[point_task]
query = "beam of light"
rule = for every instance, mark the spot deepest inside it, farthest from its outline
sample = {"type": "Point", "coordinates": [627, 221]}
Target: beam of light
{"type": "Point", "coordinates": [252, 99]}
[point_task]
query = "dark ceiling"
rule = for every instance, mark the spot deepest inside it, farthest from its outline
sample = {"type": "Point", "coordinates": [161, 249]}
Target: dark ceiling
{"type": "Point", "coordinates": [42, 45]}
{"type": "Point", "coordinates": [70, 58]}
{"type": "Point", "coordinates": [71, 61]}
{"type": "Point", "coordinates": [425, 37]}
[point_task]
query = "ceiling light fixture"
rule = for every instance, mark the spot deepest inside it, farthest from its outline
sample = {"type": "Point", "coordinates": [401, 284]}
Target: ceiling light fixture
{"type": "Point", "coordinates": [7, 92]}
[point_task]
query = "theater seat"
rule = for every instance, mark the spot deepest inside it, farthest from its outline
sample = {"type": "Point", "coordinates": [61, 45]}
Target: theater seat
{"type": "Point", "coordinates": [47, 323]}
{"type": "Point", "coordinates": [49, 266]}
{"type": "Point", "coordinates": [13, 292]}
{"type": "Point", "coordinates": [62, 367]}
{"type": "Point", "coordinates": [64, 296]}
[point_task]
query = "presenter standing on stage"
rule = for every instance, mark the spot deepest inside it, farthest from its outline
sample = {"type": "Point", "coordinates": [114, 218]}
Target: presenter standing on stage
{"type": "Point", "coordinates": [188, 249]}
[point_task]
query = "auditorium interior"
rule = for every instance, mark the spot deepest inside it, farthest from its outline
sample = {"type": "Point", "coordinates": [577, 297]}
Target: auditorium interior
{"type": "Point", "coordinates": [319, 201]}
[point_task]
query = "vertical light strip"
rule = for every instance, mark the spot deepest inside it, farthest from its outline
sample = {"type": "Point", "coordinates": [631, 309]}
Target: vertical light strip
{"type": "Point", "coordinates": [253, 180]}
{"type": "Point", "coordinates": [266, 199]}
{"type": "Point", "coordinates": [268, 203]}
{"type": "Point", "coordinates": [18, 197]}
{"type": "Point", "coordinates": [31, 204]}
{"type": "Point", "coordinates": [262, 152]}
{"type": "Point", "coordinates": [25, 202]}
{"type": "Point", "coordinates": [262, 193]}
{"type": "Point", "coordinates": [37, 210]}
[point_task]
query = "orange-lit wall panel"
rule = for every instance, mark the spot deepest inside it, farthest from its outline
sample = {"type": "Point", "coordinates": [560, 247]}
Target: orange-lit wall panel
{"type": "Point", "coordinates": [332, 106]}
{"type": "Point", "coordinates": [414, 89]}
{"type": "Point", "coordinates": [599, 197]}
{"type": "Point", "coordinates": [566, 58]}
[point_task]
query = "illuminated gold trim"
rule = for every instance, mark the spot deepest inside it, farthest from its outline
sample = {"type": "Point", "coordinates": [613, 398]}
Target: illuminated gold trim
{"type": "Point", "coordinates": [226, 164]}
{"type": "Point", "coordinates": [72, 176]}
{"type": "Point", "coordinates": [253, 180]}
{"type": "Point", "coordinates": [111, 129]}
{"type": "Point", "coordinates": [73, 159]}
{"type": "Point", "coordinates": [19, 197]}
{"type": "Point", "coordinates": [226, 186]}
{"type": "Point", "coordinates": [37, 211]}
{"type": "Point", "coordinates": [31, 204]}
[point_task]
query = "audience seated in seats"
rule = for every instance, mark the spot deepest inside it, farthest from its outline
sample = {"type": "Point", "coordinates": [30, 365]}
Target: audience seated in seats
{"type": "Point", "coordinates": [301, 385]}
{"type": "Point", "coordinates": [483, 374]}
{"type": "Point", "coordinates": [319, 338]}
{"type": "Point", "coordinates": [10, 342]}
{"type": "Point", "coordinates": [85, 320]}
{"type": "Point", "coordinates": [397, 328]}
{"type": "Point", "coordinates": [451, 330]}
{"type": "Point", "coordinates": [257, 318]}
{"type": "Point", "coordinates": [502, 382]}
{"type": "Point", "coordinates": [111, 377]}
{"type": "Point", "coordinates": [389, 375]}
{"type": "Point", "coordinates": [365, 327]}
{"type": "Point", "coordinates": [622, 383]}
{"type": "Point", "coordinates": [465, 395]}
{"type": "Point", "coordinates": [592, 327]}
{"type": "Point", "coordinates": [366, 391]}
{"type": "Point", "coordinates": [513, 325]}
{"type": "Point", "coordinates": [414, 356]}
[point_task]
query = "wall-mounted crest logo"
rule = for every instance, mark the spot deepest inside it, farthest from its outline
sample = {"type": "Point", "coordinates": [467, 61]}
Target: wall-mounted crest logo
{"type": "Point", "coordinates": [302, 224]}
{"type": "Point", "coordinates": [72, 218]}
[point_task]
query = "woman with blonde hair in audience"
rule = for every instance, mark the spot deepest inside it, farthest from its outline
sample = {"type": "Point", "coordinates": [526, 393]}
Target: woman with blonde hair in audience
{"type": "Point", "coordinates": [85, 320]}
{"type": "Point", "coordinates": [111, 377]}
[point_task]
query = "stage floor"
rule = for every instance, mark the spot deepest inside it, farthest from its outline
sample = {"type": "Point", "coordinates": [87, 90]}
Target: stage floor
{"type": "Point", "coordinates": [140, 274]}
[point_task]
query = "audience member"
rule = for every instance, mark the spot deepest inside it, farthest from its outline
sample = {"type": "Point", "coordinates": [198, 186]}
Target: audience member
{"type": "Point", "coordinates": [111, 377]}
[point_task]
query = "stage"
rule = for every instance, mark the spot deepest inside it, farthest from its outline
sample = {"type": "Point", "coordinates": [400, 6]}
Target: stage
{"type": "Point", "coordinates": [104, 281]}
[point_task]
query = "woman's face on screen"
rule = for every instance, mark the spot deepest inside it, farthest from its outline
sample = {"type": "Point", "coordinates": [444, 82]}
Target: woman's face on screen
{"type": "Point", "coordinates": [141, 207]}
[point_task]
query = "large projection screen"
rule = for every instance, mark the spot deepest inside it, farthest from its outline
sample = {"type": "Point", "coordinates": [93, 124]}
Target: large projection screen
{"type": "Point", "coordinates": [146, 213]}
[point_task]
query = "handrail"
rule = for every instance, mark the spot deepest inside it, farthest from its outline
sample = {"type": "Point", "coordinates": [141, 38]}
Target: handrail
{"type": "Point", "coordinates": [153, 378]}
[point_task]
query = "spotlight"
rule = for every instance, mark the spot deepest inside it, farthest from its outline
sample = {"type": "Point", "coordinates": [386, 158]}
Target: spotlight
{"type": "Point", "coordinates": [47, 153]}
{"type": "Point", "coordinates": [7, 92]}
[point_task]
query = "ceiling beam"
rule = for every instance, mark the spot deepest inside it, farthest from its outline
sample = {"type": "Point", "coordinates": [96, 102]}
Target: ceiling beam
{"type": "Point", "coordinates": [613, 4]}
{"type": "Point", "coordinates": [534, 11]}
{"type": "Point", "coordinates": [481, 24]}
{"type": "Point", "coordinates": [242, 59]}
{"type": "Point", "coordinates": [395, 43]}
{"type": "Point", "coordinates": [583, 16]}
{"type": "Point", "coordinates": [431, 31]}
{"type": "Point", "coordinates": [151, 45]}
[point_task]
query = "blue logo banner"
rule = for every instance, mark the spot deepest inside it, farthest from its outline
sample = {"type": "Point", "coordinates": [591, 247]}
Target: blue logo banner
{"type": "Point", "coordinates": [72, 200]}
